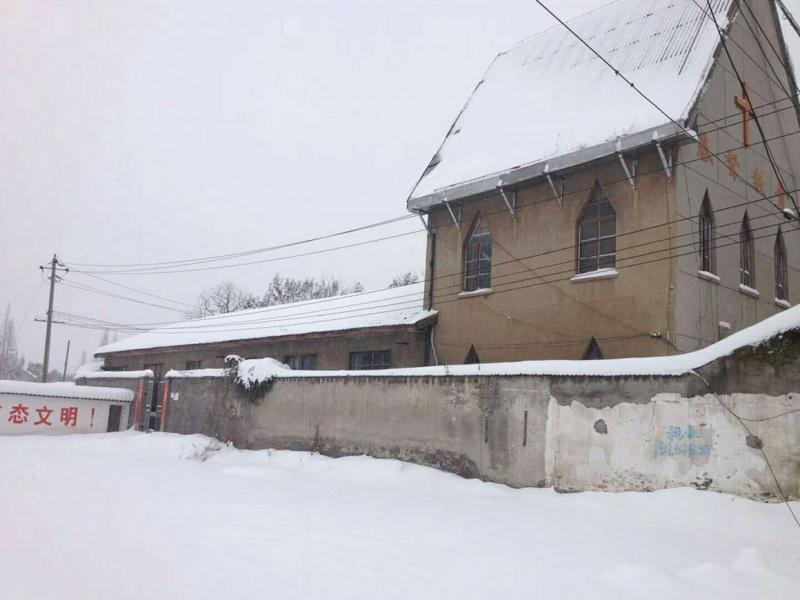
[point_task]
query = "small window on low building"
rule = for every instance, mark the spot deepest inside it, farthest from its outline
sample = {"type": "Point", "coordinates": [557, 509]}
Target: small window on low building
{"type": "Point", "coordinates": [301, 362]}
{"type": "Point", "coordinates": [367, 361]}
{"type": "Point", "coordinates": [193, 365]}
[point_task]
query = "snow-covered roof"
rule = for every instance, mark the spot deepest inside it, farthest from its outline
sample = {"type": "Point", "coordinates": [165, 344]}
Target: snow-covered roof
{"type": "Point", "coordinates": [676, 365]}
{"type": "Point", "coordinates": [548, 103]}
{"type": "Point", "coordinates": [394, 307]}
{"type": "Point", "coordinates": [65, 390]}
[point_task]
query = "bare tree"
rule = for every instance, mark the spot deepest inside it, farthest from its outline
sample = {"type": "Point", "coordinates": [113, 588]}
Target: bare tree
{"type": "Point", "coordinates": [223, 298]}
{"type": "Point", "coordinates": [8, 347]}
{"type": "Point", "coordinates": [406, 278]}
{"type": "Point", "coordinates": [283, 290]}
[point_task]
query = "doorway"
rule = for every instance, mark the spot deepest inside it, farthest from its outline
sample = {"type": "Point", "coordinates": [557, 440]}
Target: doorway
{"type": "Point", "coordinates": [114, 417]}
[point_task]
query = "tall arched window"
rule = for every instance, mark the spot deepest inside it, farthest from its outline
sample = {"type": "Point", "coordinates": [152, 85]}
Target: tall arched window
{"type": "Point", "coordinates": [597, 233]}
{"type": "Point", "coordinates": [781, 268]}
{"type": "Point", "coordinates": [478, 257]}
{"type": "Point", "coordinates": [747, 256]}
{"type": "Point", "coordinates": [706, 223]}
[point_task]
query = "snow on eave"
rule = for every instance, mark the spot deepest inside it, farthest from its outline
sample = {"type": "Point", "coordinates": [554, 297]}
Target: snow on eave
{"type": "Point", "coordinates": [351, 314]}
{"type": "Point", "coordinates": [65, 390]}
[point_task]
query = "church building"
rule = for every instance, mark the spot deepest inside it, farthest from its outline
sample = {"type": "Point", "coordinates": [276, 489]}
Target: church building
{"type": "Point", "coordinates": [626, 190]}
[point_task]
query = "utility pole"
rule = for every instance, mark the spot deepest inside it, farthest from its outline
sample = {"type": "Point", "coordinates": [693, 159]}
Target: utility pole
{"type": "Point", "coordinates": [55, 265]}
{"type": "Point", "coordinates": [66, 360]}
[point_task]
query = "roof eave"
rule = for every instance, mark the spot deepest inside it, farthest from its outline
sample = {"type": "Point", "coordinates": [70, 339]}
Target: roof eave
{"type": "Point", "coordinates": [533, 171]}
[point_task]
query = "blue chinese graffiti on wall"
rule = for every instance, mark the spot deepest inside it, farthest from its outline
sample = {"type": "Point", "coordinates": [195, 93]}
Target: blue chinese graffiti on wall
{"type": "Point", "coordinates": [680, 442]}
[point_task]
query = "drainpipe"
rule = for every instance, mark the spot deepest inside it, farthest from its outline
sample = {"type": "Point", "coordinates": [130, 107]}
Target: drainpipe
{"type": "Point", "coordinates": [431, 268]}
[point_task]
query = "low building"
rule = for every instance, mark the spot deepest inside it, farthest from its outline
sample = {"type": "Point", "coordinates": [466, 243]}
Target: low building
{"type": "Point", "coordinates": [366, 330]}
{"type": "Point", "coordinates": [61, 408]}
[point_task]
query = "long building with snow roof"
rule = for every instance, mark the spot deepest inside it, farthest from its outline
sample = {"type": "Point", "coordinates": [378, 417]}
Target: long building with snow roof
{"type": "Point", "coordinates": [625, 185]}
{"type": "Point", "coordinates": [366, 330]}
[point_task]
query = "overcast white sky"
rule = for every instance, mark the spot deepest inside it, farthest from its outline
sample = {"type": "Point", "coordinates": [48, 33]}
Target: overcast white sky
{"type": "Point", "coordinates": [147, 130]}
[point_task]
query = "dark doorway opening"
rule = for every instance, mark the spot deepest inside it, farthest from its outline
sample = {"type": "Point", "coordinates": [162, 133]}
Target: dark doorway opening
{"type": "Point", "coordinates": [114, 417]}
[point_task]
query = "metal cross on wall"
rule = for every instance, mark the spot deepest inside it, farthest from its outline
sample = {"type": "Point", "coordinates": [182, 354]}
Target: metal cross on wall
{"type": "Point", "coordinates": [743, 103]}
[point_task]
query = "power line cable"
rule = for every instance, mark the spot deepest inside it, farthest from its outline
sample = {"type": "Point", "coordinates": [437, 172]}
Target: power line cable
{"type": "Point", "coordinates": [326, 250]}
{"type": "Point", "coordinates": [138, 290]}
{"type": "Point", "coordinates": [336, 234]}
{"type": "Point", "coordinates": [253, 251]}
{"type": "Point", "coordinates": [272, 309]}
{"type": "Point", "coordinates": [254, 262]}
{"type": "Point", "coordinates": [756, 442]}
{"type": "Point", "coordinates": [789, 16]}
{"type": "Point", "coordinates": [538, 280]}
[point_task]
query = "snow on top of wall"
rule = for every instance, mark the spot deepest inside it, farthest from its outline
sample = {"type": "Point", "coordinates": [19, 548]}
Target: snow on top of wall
{"type": "Point", "coordinates": [400, 306]}
{"type": "Point", "coordinates": [679, 364]}
{"type": "Point", "coordinates": [65, 390]}
{"type": "Point", "coordinates": [549, 95]}
{"type": "Point", "coordinates": [194, 373]}
{"type": "Point", "coordinates": [252, 372]}
{"type": "Point", "coordinates": [93, 366]}
{"type": "Point", "coordinates": [141, 374]}
{"type": "Point", "coordinates": [94, 370]}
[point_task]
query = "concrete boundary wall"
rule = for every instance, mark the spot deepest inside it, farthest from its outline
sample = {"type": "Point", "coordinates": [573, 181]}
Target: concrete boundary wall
{"type": "Point", "coordinates": [572, 433]}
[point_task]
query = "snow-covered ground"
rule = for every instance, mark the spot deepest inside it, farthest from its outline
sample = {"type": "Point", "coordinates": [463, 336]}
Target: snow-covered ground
{"type": "Point", "coordinates": [166, 516]}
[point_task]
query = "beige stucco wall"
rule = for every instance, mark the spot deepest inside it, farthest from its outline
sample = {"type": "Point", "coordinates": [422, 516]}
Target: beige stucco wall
{"type": "Point", "coordinates": [702, 303]}
{"type": "Point", "coordinates": [535, 310]}
{"type": "Point", "coordinates": [573, 433]}
{"type": "Point", "coordinates": [333, 352]}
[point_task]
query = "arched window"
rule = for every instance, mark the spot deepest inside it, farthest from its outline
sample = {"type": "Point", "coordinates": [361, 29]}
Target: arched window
{"type": "Point", "coordinates": [472, 357]}
{"type": "Point", "coordinates": [706, 222]}
{"type": "Point", "coordinates": [747, 254]}
{"type": "Point", "coordinates": [593, 351]}
{"type": "Point", "coordinates": [597, 233]}
{"type": "Point", "coordinates": [478, 257]}
{"type": "Point", "coordinates": [781, 268]}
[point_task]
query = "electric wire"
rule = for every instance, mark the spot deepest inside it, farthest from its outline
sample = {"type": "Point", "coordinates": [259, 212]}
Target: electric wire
{"type": "Point", "coordinates": [146, 270]}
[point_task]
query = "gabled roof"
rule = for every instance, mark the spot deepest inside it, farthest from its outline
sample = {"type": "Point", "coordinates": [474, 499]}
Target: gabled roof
{"type": "Point", "coordinates": [548, 103]}
{"type": "Point", "coordinates": [394, 307]}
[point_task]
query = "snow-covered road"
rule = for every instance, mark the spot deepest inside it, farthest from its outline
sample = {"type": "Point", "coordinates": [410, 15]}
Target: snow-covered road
{"type": "Point", "coordinates": [157, 516]}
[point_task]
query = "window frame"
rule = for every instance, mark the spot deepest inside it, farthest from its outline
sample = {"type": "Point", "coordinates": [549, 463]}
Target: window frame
{"type": "Point", "coordinates": [374, 364]}
{"type": "Point", "coordinates": [781, 268]}
{"type": "Point", "coordinates": [156, 368]}
{"type": "Point", "coordinates": [193, 365]}
{"type": "Point", "coordinates": [476, 263]}
{"type": "Point", "coordinates": [706, 226]}
{"type": "Point", "coordinates": [300, 362]}
{"type": "Point", "coordinates": [747, 254]}
{"type": "Point", "coordinates": [598, 197]}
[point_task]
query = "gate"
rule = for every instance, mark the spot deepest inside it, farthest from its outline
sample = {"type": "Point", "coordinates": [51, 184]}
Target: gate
{"type": "Point", "coordinates": [151, 417]}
